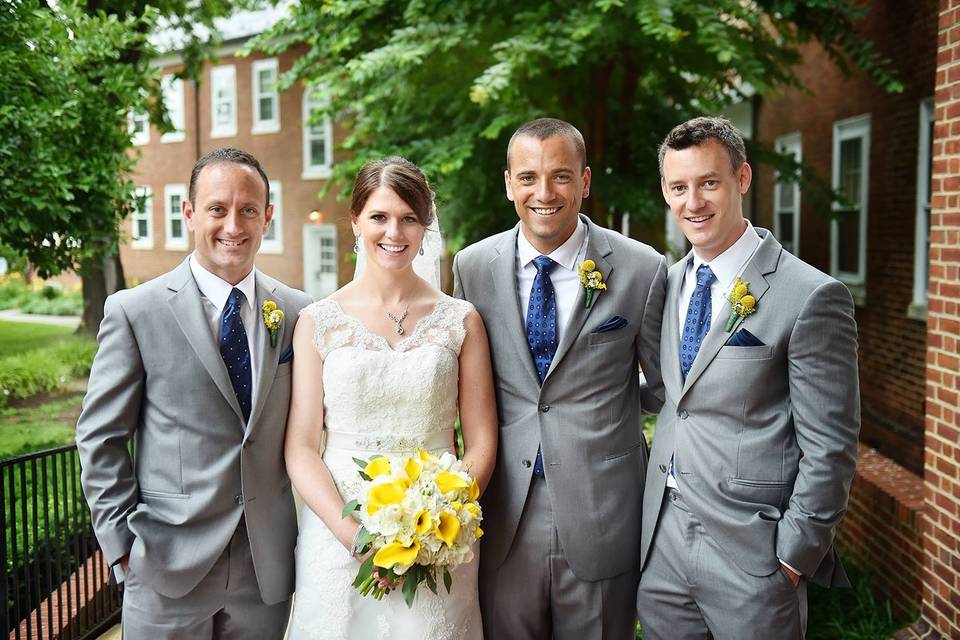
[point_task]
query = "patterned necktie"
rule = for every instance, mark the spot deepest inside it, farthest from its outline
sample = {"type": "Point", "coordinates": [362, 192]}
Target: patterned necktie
{"type": "Point", "coordinates": [542, 327]}
{"type": "Point", "coordinates": [697, 323]}
{"type": "Point", "coordinates": [236, 351]}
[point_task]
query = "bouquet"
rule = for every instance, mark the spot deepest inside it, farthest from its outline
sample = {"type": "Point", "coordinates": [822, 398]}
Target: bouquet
{"type": "Point", "coordinates": [420, 516]}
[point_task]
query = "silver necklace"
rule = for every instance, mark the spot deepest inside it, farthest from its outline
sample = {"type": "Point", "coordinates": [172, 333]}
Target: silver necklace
{"type": "Point", "coordinates": [399, 320]}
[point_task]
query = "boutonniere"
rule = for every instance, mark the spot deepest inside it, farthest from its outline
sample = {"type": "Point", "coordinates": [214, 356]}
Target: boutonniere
{"type": "Point", "coordinates": [591, 279]}
{"type": "Point", "coordinates": [742, 303]}
{"type": "Point", "coordinates": [272, 319]}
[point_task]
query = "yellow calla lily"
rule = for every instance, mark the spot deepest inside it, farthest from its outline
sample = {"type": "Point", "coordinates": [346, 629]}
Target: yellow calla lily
{"type": "Point", "coordinates": [456, 505]}
{"type": "Point", "coordinates": [412, 468]}
{"type": "Point", "coordinates": [449, 527]}
{"type": "Point", "coordinates": [478, 532]}
{"type": "Point", "coordinates": [425, 457]}
{"type": "Point", "coordinates": [588, 265]}
{"type": "Point", "coordinates": [474, 490]}
{"type": "Point", "coordinates": [424, 522]}
{"type": "Point", "coordinates": [385, 494]}
{"type": "Point", "coordinates": [448, 482]}
{"type": "Point", "coordinates": [377, 467]}
{"type": "Point", "coordinates": [473, 509]}
{"type": "Point", "coordinates": [395, 553]}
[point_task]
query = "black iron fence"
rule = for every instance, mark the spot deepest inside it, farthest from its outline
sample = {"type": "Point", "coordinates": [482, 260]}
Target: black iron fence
{"type": "Point", "coordinates": [56, 583]}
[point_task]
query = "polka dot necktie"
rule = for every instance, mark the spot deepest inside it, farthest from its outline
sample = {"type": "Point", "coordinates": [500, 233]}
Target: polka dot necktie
{"type": "Point", "coordinates": [697, 324]}
{"type": "Point", "coordinates": [542, 327]}
{"type": "Point", "coordinates": [235, 350]}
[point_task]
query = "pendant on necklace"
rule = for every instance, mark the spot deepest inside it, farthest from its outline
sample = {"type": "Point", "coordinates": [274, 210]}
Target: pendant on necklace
{"type": "Point", "coordinates": [398, 320]}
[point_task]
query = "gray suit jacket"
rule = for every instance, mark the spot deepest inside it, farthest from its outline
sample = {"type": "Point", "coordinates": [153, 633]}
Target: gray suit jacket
{"type": "Point", "coordinates": [158, 376]}
{"type": "Point", "coordinates": [586, 414]}
{"type": "Point", "coordinates": [764, 437]}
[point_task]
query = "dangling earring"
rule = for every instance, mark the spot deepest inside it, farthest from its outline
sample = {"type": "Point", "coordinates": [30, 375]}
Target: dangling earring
{"type": "Point", "coordinates": [421, 247]}
{"type": "Point", "coordinates": [356, 244]}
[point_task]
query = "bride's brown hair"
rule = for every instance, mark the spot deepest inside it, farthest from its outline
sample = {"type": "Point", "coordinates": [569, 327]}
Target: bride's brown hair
{"type": "Point", "coordinates": [400, 175]}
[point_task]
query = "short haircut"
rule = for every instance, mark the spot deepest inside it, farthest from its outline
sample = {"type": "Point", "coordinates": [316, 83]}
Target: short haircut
{"type": "Point", "coordinates": [226, 154]}
{"type": "Point", "coordinates": [543, 128]}
{"type": "Point", "coordinates": [401, 176]}
{"type": "Point", "coordinates": [697, 131]}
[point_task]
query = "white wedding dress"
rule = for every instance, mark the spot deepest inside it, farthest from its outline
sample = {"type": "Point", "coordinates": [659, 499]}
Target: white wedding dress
{"type": "Point", "coordinates": [379, 399]}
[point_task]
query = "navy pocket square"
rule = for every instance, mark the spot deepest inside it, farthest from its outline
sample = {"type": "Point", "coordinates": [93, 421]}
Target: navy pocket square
{"type": "Point", "coordinates": [744, 338]}
{"type": "Point", "coordinates": [614, 323]}
{"type": "Point", "coordinates": [287, 355]}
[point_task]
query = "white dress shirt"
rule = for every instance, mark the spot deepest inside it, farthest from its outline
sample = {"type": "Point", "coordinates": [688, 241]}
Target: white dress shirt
{"type": "Point", "coordinates": [214, 292]}
{"type": "Point", "coordinates": [566, 282]}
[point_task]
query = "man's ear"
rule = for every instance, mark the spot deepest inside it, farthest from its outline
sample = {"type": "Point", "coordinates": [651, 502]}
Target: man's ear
{"type": "Point", "coordinates": [186, 208]}
{"type": "Point", "coordinates": [506, 184]}
{"type": "Point", "coordinates": [745, 177]}
{"type": "Point", "coordinates": [268, 216]}
{"type": "Point", "coordinates": [587, 175]}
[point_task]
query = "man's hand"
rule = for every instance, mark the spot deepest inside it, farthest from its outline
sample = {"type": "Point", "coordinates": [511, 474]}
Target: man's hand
{"type": "Point", "coordinates": [791, 574]}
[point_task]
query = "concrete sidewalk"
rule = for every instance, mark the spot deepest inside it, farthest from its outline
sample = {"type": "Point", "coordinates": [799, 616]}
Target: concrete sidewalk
{"type": "Point", "coordinates": [16, 316]}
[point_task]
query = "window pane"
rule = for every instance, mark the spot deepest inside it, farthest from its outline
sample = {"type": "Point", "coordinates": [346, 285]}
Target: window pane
{"type": "Point", "coordinates": [318, 151]}
{"type": "Point", "coordinates": [850, 167]}
{"type": "Point", "coordinates": [176, 229]}
{"type": "Point", "coordinates": [786, 196]}
{"type": "Point", "coordinates": [142, 228]}
{"type": "Point", "coordinates": [265, 80]}
{"type": "Point", "coordinates": [266, 108]}
{"type": "Point", "coordinates": [786, 230]}
{"type": "Point", "coordinates": [848, 241]}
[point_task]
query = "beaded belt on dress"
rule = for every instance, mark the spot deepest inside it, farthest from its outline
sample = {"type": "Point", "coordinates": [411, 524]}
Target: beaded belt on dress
{"type": "Point", "coordinates": [390, 442]}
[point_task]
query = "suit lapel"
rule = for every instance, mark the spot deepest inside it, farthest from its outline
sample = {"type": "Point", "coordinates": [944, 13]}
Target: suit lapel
{"type": "Point", "coordinates": [670, 356]}
{"type": "Point", "coordinates": [187, 307]}
{"type": "Point", "coordinates": [503, 270]}
{"type": "Point", "coordinates": [598, 248]}
{"type": "Point", "coordinates": [763, 262]}
{"type": "Point", "coordinates": [269, 356]}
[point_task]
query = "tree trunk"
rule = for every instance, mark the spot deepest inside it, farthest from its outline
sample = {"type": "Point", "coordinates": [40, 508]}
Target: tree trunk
{"type": "Point", "coordinates": [101, 277]}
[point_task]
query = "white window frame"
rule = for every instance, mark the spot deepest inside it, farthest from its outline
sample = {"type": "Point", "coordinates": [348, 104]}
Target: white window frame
{"type": "Point", "coordinates": [173, 101]}
{"type": "Point", "coordinates": [223, 77]}
{"type": "Point", "coordinates": [174, 213]}
{"type": "Point", "coordinates": [790, 144]}
{"type": "Point", "coordinates": [141, 117]}
{"type": "Point", "coordinates": [921, 242]}
{"type": "Point", "coordinates": [274, 245]}
{"type": "Point", "coordinates": [145, 241]}
{"type": "Point", "coordinates": [311, 102]}
{"type": "Point", "coordinates": [856, 127]}
{"type": "Point", "coordinates": [261, 125]}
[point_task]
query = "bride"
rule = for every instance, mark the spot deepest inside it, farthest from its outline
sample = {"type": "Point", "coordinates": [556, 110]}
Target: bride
{"type": "Point", "coordinates": [384, 365]}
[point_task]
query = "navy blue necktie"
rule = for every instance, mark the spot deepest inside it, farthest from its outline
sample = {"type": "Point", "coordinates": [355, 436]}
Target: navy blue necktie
{"type": "Point", "coordinates": [697, 324]}
{"type": "Point", "coordinates": [542, 327]}
{"type": "Point", "coordinates": [236, 351]}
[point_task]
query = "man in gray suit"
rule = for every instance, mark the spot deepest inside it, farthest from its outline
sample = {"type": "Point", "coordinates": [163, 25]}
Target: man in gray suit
{"type": "Point", "coordinates": [756, 445]}
{"type": "Point", "coordinates": [201, 521]}
{"type": "Point", "coordinates": [560, 557]}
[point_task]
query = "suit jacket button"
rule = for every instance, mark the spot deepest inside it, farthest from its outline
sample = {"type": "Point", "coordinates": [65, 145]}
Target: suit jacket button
{"type": "Point", "coordinates": [544, 408]}
{"type": "Point", "coordinates": [238, 499]}
{"type": "Point", "coordinates": [684, 415]}
{"type": "Point", "coordinates": [526, 464]}
{"type": "Point", "coordinates": [663, 468]}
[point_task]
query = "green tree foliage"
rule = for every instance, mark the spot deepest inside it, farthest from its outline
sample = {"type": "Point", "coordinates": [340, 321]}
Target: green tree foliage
{"type": "Point", "coordinates": [445, 83]}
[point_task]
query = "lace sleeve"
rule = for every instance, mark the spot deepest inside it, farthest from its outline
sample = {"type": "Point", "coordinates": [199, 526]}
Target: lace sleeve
{"type": "Point", "coordinates": [330, 331]}
{"type": "Point", "coordinates": [447, 327]}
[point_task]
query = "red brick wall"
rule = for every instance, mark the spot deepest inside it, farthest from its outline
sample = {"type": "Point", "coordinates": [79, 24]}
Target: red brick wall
{"type": "Point", "coordinates": [883, 525]}
{"type": "Point", "coordinates": [280, 153]}
{"type": "Point", "coordinates": [941, 592]}
{"type": "Point", "coordinates": [892, 345]}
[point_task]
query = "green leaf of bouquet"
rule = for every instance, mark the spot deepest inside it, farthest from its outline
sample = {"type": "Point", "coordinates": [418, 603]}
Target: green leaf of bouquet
{"type": "Point", "coordinates": [364, 572]}
{"type": "Point", "coordinates": [365, 476]}
{"type": "Point", "coordinates": [361, 463]}
{"type": "Point", "coordinates": [410, 584]}
{"type": "Point", "coordinates": [447, 580]}
{"type": "Point", "coordinates": [431, 580]}
{"type": "Point", "coordinates": [350, 507]}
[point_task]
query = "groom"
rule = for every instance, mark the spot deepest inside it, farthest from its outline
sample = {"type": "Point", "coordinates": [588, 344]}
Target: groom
{"type": "Point", "coordinates": [560, 556]}
{"type": "Point", "coordinates": [201, 519]}
{"type": "Point", "coordinates": [756, 444]}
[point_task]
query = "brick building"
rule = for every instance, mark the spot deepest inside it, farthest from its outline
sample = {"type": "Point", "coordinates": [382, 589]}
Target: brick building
{"type": "Point", "coordinates": [237, 104]}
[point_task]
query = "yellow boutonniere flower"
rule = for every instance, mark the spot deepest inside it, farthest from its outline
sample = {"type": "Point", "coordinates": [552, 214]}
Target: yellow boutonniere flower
{"type": "Point", "coordinates": [272, 319]}
{"type": "Point", "coordinates": [742, 303]}
{"type": "Point", "coordinates": [591, 279]}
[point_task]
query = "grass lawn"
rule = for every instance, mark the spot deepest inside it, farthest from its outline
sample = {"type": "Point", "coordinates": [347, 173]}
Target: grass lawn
{"type": "Point", "coordinates": [42, 426]}
{"type": "Point", "coordinates": [17, 337]}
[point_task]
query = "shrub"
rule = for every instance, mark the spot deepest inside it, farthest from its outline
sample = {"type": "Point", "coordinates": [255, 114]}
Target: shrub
{"type": "Point", "coordinates": [47, 369]}
{"type": "Point", "coordinates": [49, 300]}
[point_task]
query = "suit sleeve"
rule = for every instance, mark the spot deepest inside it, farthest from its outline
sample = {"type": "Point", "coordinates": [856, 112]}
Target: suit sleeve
{"type": "Point", "coordinates": [457, 280]}
{"type": "Point", "coordinates": [648, 342]}
{"type": "Point", "coordinates": [825, 400]}
{"type": "Point", "coordinates": [110, 414]}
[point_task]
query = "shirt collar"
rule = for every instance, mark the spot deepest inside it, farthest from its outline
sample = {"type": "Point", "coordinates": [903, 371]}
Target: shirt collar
{"type": "Point", "coordinates": [564, 255]}
{"type": "Point", "coordinates": [217, 290]}
{"type": "Point", "coordinates": [729, 264]}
